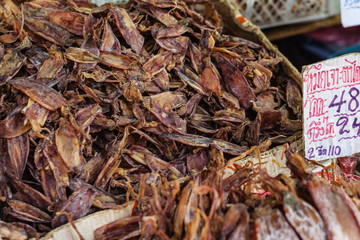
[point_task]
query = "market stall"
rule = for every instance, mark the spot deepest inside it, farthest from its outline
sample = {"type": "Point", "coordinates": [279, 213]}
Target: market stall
{"type": "Point", "coordinates": [158, 120]}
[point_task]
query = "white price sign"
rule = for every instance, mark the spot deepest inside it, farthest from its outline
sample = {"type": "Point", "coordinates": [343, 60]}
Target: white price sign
{"type": "Point", "coordinates": [350, 12]}
{"type": "Point", "coordinates": [331, 102]}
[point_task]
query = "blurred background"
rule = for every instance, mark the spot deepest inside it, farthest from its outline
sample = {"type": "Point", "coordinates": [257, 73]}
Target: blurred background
{"type": "Point", "coordinates": [305, 31]}
{"type": "Point", "coordinates": [320, 44]}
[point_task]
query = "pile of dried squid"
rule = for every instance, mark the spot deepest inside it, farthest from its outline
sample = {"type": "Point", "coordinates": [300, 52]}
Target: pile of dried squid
{"type": "Point", "coordinates": [211, 207]}
{"type": "Point", "coordinates": [94, 99]}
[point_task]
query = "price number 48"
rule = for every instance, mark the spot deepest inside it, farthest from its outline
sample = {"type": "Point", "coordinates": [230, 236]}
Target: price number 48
{"type": "Point", "coordinates": [353, 103]}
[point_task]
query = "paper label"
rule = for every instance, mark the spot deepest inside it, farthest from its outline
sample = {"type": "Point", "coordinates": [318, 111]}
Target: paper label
{"type": "Point", "coordinates": [331, 102]}
{"type": "Point", "coordinates": [350, 12]}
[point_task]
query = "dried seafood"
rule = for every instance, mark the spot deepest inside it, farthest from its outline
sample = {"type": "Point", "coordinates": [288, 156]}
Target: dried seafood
{"type": "Point", "coordinates": [96, 99]}
{"type": "Point", "coordinates": [210, 207]}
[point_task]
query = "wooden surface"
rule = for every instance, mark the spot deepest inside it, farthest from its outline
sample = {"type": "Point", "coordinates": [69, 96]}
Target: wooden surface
{"type": "Point", "coordinates": [277, 33]}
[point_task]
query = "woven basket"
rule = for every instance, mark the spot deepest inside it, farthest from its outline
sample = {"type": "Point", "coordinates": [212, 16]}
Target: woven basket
{"type": "Point", "coordinates": [271, 13]}
{"type": "Point", "coordinates": [88, 224]}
